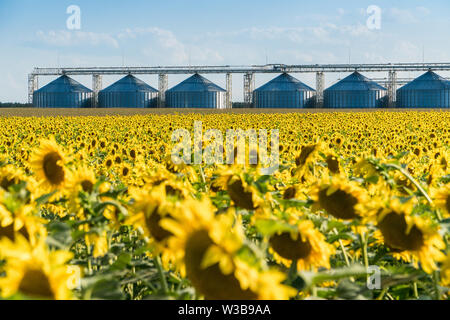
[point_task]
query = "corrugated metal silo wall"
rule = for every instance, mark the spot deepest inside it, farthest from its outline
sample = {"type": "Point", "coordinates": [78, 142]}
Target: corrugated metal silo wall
{"type": "Point", "coordinates": [62, 99]}
{"type": "Point", "coordinates": [283, 99]}
{"type": "Point", "coordinates": [423, 98]}
{"type": "Point", "coordinates": [188, 99]}
{"type": "Point", "coordinates": [127, 99]}
{"type": "Point", "coordinates": [355, 99]}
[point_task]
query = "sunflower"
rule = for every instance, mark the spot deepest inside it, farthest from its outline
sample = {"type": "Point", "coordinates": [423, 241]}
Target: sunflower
{"type": "Point", "coordinates": [9, 176]}
{"type": "Point", "coordinates": [243, 194]}
{"type": "Point", "coordinates": [83, 180]}
{"type": "Point", "coordinates": [48, 164]}
{"type": "Point", "coordinates": [445, 271]}
{"type": "Point", "coordinates": [206, 249]}
{"type": "Point", "coordinates": [410, 235]}
{"type": "Point", "coordinates": [304, 245]}
{"type": "Point", "coordinates": [303, 159]}
{"type": "Point", "coordinates": [442, 198]}
{"type": "Point", "coordinates": [34, 271]}
{"type": "Point", "coordinates": [125, 171]}
{"type": "Point", "coordinates": [150, 207]}
{"type": "Point", "coordinates": [99, 241]}
{"type": "Point", "coordinates": [108, 162]}
{"type": "Point", "coordinates": [339, 197]}
{"type": "Point", "coordinates": [16, 220]}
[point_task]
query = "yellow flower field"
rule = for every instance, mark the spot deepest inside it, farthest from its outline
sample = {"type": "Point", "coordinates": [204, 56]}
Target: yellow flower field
{"type": "Point", "coordinates": [94, 208]}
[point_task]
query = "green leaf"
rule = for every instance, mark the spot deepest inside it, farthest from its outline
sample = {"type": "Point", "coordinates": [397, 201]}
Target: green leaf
{"type": "Point", "coordinates": [44, 199]}
{"type": "Point", "coordinates": [270, 227]}
{"type": "Point", "coordinates": [105, 289]}
{"type": "Point", "coordinates": [123, 260]}
{"type": "Point", "coordinates": [312, 278]}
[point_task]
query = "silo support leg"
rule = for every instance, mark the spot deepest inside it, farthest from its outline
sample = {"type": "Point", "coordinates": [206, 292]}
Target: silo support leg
{"type": "Point", "coordinates": [96, 87]}
{"type": "Point", "coordinates": [249, 87]}
{"type": "Point", "coordinates": [320, 86]}
{"type": "Point", "coordinates": [229, 101]}
{"type": "Point", "coordinates": [33, 85]}
{"type": "Point", "coordinates": [162, 87]}
{"type": "Point", "coordinates": [392, 89]}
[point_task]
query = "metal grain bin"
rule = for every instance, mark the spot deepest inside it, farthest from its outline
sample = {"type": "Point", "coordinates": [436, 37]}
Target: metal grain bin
{"type": "Point", "coordinates": [427, 91]}
{"type": "Point", "coordinates": [355, 91]}
{"type": "Point", "coordinates": [196, 92]}
{"type": "Point", "coordinates": [63, 92]}
{"type": "Point", "coordinates": [284, 91]}
{"type": "Point", "coordinates": [128, 92]}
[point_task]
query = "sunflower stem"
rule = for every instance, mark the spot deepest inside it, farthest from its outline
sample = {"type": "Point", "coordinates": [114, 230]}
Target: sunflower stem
{"type": "Point", "coordinates": [416, 291]}
{"type": "Point", "coordinates": [344, 252]}
{"type": "Point", "coordinates": [202, 174]}
{"type": "Point", "coordinates": [89, 262]}
{"type": "Point", "coordinates": [292, 271]}
{"type": "Point", "coordinates": [364, 250]}
{"type": "Point", "coordinates": [383, 293]}
{"type": "Point", "coordinates": [157, 261]}
{"type": "Point", "coordinates": [437, 291]}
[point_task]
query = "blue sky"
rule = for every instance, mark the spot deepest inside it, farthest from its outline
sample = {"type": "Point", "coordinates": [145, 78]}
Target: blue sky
{"type": "Point", "coordinates": [197, 32]}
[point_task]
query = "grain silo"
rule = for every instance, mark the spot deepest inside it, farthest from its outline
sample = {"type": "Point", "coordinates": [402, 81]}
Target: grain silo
{"type": "Point", "coordinates": [284, 91]}
{"type": "Point", "coordinates": [196, 92]}
{"type": "Point", "coordinates": [355, 91]}
{"type": "Point", "coordinates": [128, 92]}
{"type": "Point", "coordinates": [427, 91]}
{"type": "Point", "coordinates": [63, 92]}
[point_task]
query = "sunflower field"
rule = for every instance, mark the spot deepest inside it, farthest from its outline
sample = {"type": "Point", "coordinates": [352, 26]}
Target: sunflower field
{"type": "Point", "coordinates": [94, 208]}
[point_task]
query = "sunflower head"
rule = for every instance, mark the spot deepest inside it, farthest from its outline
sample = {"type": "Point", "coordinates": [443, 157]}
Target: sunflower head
{"type": "Point", "coordinates": [298, 242]}
{"type": "Point", "coordinates": [339, 197]}
{"type": "Point", "coordinates": [442, 198]}
{"type": "Point", "coordinates": [9, 176]}
{"type": "Point", "coordinates": [406, 233]}
{"type": "Point", "coordinates": [150, 207]}
{"type": "Point", "coordinates": [207, 249]}
{"type": "Point", "coordinates": [34, 271]}
{"type": "Point", "coordinates": [48, 164]}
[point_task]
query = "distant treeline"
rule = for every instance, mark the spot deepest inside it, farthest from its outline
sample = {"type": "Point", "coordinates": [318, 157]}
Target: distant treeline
{"type": "Point", "coordinates": [15, 105]}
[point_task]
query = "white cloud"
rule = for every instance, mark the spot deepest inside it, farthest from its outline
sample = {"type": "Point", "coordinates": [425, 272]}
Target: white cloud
{"type": "Point", "coordinates": [63, 38]}
{"type": "Point", "coordinates": [408, 16]}
{"type": "Point", "coordinates": [407, 52]}
{"type": "Point", "coordinates": [404, 16]}
{"type": "Point", "coordinates": [424, 11]}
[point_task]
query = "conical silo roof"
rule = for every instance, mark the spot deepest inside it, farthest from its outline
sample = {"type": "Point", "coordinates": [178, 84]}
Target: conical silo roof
{"type": "Point", "coordinates": [196, 83]}
{"type": "Point", "coordinates": [64, 84]}
{"type": "Point", "coordinates": [285, 82]}
{"type": "Point", "coordinates": [428, 81]}
{"type": "Point", "coordinates": [130, 83]}
{"type": "Point", "coordinates": [355, 81]}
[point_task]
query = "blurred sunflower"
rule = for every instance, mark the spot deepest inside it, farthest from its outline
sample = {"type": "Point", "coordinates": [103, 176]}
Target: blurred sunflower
{"type": "Point", "coordinates": [243, 194]}
{"type": "Point", "coordinates": [307, 155]}
{"type": "Point", "coordinates": [445, 271]}
{"type": "Point", "coordinates": [206, 249]}
{"type": "Point", "coordinates": [410, 235]}
{"type": "Point", "coordinates": [339, 197]}
{"type": "Point", "coordinates": [34, 271]}
{"type": "Point", "coordinates": [305, 246]}
{"type": "Point", "coordinates": [150, 207]}
{"type": "Point", "coordinates": [442, 198]}
{"type": "Point", "coordinates": [82, 180]}
{"type": "Point", "coordinates": [9, 176]}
